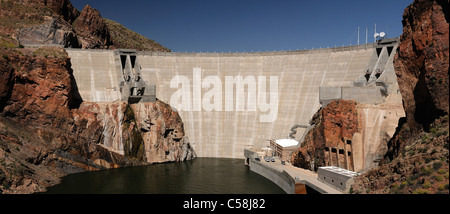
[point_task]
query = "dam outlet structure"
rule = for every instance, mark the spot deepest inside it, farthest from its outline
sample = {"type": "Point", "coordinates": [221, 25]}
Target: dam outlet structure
{"type": "Point", "coordinates": [230, 102]}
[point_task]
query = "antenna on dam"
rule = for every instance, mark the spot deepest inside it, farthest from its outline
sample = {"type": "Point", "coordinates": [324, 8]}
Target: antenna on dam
{"type": "Point", "coordinates": [375, 34]}
{"type": "Point", "coordinates": [366, 34]}
{"type": "Point", "coordinates": [358, 35]}
{"type": "Point", "coordinates": [378, 35]}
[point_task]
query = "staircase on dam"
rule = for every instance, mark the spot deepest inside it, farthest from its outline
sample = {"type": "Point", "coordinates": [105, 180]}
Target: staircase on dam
{"type": "Point", "coordinates": [232, 101]}
{"type": "Point", "coordinates": [374, 84]}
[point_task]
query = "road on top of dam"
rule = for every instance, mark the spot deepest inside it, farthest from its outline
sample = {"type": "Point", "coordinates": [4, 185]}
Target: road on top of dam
{"type": "Point", "coordinates": [300, 174]}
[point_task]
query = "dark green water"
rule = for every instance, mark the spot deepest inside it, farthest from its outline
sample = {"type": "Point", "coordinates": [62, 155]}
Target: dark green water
{"type": "Point", "coordinates": [198, 176]}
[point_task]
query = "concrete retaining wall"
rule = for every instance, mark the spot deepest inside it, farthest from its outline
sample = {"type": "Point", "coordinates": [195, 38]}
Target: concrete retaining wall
{"type": "Point", "coordinates": [370, 94]}
{"type": "Point", "coordinates": [282, 179]}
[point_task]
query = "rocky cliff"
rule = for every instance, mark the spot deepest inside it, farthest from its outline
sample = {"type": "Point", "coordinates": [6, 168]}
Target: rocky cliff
{"type": "Point", "coordinates": [91, 29]}
{"type": "Point", "coordinates": [417, 156]}
{"type": "Point", "coordinates": [422, 62]}
{"type": "Point", "coordinates": [333, 123]}
{"type": "Point", "coordinates": [46, 133]}
{"type": "Point", "coordinates": [411, 150]}
{"type": "Point", "coordinates": [61, 8]}
{"type": "Point", "coordinates": [350, 135]}
{"type": "Point", "coordinates": [57, 22]}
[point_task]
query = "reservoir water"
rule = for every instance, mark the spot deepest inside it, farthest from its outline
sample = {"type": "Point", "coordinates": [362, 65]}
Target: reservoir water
{"type": "Point", "coordinates": [198, 176]}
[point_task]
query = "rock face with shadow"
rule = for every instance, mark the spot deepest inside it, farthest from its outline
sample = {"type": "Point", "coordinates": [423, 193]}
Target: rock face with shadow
{"type": "Point", "coordinates": [349, 135]}
{"type": "Point", "coordinates": [417, 157]}
{"type": "Point", "coordinates": [422, 62]}
{"type": "Point", "coordinates": [46, 132]}
{"type": "Point", "coordinates": [333, 123]}
{"type": "Point", "coordinates": [58, 22]}
{"type": "Point", "coordinates": [91, 29]}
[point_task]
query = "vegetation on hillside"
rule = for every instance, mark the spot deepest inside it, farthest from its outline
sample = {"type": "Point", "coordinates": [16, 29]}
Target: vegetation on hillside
{"type": "Point", "coordinates": [15, 15]}
{"type": "Point", "coordinates": [422, 166]}
{"type": "Point", "coordinates": [125, 38]}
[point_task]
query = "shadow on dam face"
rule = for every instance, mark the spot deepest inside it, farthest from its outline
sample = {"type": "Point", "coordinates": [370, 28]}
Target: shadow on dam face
{"type": "Point", "coordinates": [228, 102]}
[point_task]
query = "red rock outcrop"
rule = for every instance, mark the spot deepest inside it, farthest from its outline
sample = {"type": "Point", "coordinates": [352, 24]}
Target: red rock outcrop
{"type": "Point", "coordinates": [40, 89]}
{"type": "Point", "coordinates": [163, 132]}
{"type": "Point", "coordinates": [30, 22]}
{"type": "Point", "coordinates": [35, 119]}
{"type": "Point", "coordinates": [421, 65]}
{"type": "Point", "coordinates": [422, 62]}
{"type": "Point", "coordinates": [46, 133]}
{"type": "Point", "coordinates": [417, 156]}
{"type": "Point", "coordinates": [334, 123]}
{"type": "Point", "coordinates": [93, 31]}
{"type": "Point", "coordinates": [340, 121]}
{"type": "Point", "coordinates": [6, 80]}
{"type": "Point", "coordinates": [64, 8]}
{"type": "Point", "coordinates": [349, 135]}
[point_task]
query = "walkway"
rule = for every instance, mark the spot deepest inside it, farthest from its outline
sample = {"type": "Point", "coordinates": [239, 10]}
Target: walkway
{"type": "Point", "coordinates": [302, 175]}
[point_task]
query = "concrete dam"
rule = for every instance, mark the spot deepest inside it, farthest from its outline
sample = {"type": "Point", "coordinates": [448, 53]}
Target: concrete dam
{"type": "Point", "coordinates": [232, 101]}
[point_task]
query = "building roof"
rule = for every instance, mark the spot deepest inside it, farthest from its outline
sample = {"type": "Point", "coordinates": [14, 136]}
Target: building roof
{"type": "Point", "coordinates": [287, 142]}
{"type": "Point", "coordinates": [340, 171]}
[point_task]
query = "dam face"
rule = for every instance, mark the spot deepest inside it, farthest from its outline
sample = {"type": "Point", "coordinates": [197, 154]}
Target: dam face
{"type": "Point", "coordinates": [232, 101]}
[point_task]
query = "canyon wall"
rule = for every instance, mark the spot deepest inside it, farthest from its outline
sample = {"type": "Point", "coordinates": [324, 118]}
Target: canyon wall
{"type": "Point", "coordinates": [47, 132]}
{"type": "Point", "coordinates": [349, 135]}
{"type": "Point", "coordinates": [422, 62]}
{"type": "Point", "coordinates": [47, 129]}
{"type": "Point", "coordinates": [417, 157]}
{"type": "Point", "coordinates": [58, 22]}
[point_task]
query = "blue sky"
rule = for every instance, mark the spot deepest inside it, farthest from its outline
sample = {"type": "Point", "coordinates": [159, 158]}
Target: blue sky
{"type": "Point", "coordinates": [253, 25]}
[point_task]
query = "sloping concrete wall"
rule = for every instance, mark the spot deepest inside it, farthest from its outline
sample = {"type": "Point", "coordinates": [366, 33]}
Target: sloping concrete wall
{"type": "Point", "coordinates": [280, 178]}
{"type": "Point", "coordinates": [97, 74]}
{"type": "Point", "coordinates": [222, 133]}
